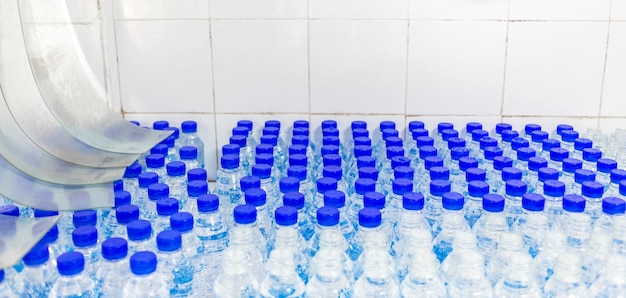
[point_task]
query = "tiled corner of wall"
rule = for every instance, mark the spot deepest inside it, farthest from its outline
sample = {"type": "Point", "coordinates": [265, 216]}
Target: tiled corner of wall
{"type": "Point", "coordinates": [614, 92]}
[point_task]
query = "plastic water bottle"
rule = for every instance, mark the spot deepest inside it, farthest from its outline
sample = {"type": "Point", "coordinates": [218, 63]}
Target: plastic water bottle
{"type": "Point", "coordinates": [156, 163]}
{"type": "Point", "coordinates": [287, 237]}
{"type": "Point", "coordinates": [470, 281]}
{"type": "Point", "coordinates": [189, 155]}
{"type": "Point", "coordinates": [612, 208]}
{"type": "Point", "coordinates": [378, 278]}
{"type": "Point", "coordinates": [38, 275]}
{"type": "Point", "coordinates": [452, 222]}
{"type": "Point", "coordinates": [532, 177]}
{"type": "Point", "coordinates": [268, 184]}
{"type": "Point", "coordinates": [547, 146]}
{"type": "Point", "coordinates": [570, 166]}
{"type": "Point", "coordinates": [580, 144]}
{"type": "Point", "coordinates": [84, 218]}
{"type": "Point", "coordinates": [176, 269]}
{"type": "Point", "coordinates": [139, 236]}
{"type": "Point", "coordinates": [471, 174]}
{"type": "Point", "coordinates": [212, 232]}
{"type": "Point", "coordinates": [183, 222]}
{"type": "Point", "coordinates": [172, 144]}
{"type": "Point", "coordinates": [195, 189]}
{"type": "Point", "coordinates": [227, 184]}
{"type": "Point", "coordinates": [433, 205]}
{"type": "Point", "coordinates": [337, 199]}
{"type": "Point", "coordinates": [611, 282]}
{"type": "Point", "coordinates": [554, 245]}
{"type": "Point", "coordinates": [176, 179]}
{"type": "Point", "coordinates": [508, 244]}
{"type": "Point", "coordinates": [108, 220]}
{"type": "Point", "coordinates": [553, 191]}
{"type": "Point", "coordinates": [515, 189]}
{"type": "Point", "coordinates": [246, 236]}
{"type": "Point", "coordinates": [519, 279]}
{"type": "Point", "coordinates": [617, 176]}
{"type": "Point", "coordinates": [464, 242]}
{"type": "Point", "coordinates": [536, 139]}
{"type": "Point", "coordinates": [592, 192]}
{"type": "Point", "coordinates": [328, 279]}
{"type": "Point", "coordinates": [556, 157]}
{"type": "Point", "coordinates": [522, 156]}
{"type": "Point", "coordinates": [112, 273]}
{"type": "Point", "coordinates": [410, 226]}
{"type": "Point", "coordinates": [545, 174]}
{"type": "Point", "coordinates": [590, 158]}
{"type": "Point", "coordinates": [165, 209]}
{"type": "Point", "coordinates": [124, 215]}
{"type": "Point", "coordinates": [327, 219]}
{"type": "Point", "coordinates": [131, 179]}
{"type": "Point", "coordinates": [236, 279]}
{"type": "Point", "coordinates": [145, 180]}
{"type": "Point", "coordinates": [567, 278]}
{"type": "Point", "coordinates": [604, 166]}
{"type": "Point", "coordinates": [145, 280]}
{"type": "Point", "coordinates": [156, 192]}
{"type": "Point", "coordinates": [56, 244]}
{"type": "Point", "coordinates": [423, 278]}
{"type": "Point", "coordinates": [5, 287]}
{"type": "Point", "coordinates": [257, 197]}
{"type": "Point", "coordinates": [189, 137]}
{"type": "Point", "coordinates": [323, 185]}
{"type": "Point", "coordinates": [196, 174]}
{"type": "Point", "coordinates": [361, 187]}
{"type": "Point", "coordinates": [490, 225]}
{"type": "Point", "coordinates": [336, 173]}
{"type": "Point", "coordinates": [282, 279]}
{"type": "Point", "coordinates": [370, 234]}
{"type": "Point", "coordinates": [599, 249]}
{"type": "Point", "coordinates": [296, 200]}
{"type": "Point", "coordinates": [85, 240]}
{"type": "Point", "coordinates": [473, 206]}
{"type": "Point", "coordinates": [72, 281]}
{"type": "Point", "coordinates": [399, 188]}
{"type": "Point", "coordinates": [533, 222]}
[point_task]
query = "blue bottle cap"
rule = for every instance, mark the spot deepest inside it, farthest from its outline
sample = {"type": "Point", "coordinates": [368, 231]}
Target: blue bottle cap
{"type": "Point", "coordinates": [525, 153]}
{"type": "Point", "coordinates": [169, 141]}
{"type": "Point", "coordinates": [368, 172]}
{"type": "Point", "coordinates": [439, 173]}
{"type": "Point", "coordinates": [558, 154]}
{"type": "Point", "coordinates": [325, 184]}
{"type": "Point", "coordinates": [255, 197]}
{"type": "Point", "coordinates": [249, 182]}
{"type": "Point", "coordinates": [394, 151]}
{"type": "Point", "coordinates": [487, 142]}
{"type": "Point", "coordinates": [613, 205]}
{"type": "Point", "coordinates": [84, 218]}
{"type": "Point", "coordinates": [246, 123]}
{"type": "Point", "coordinates": [467, 163]}
{"type": "Point", "coordinates": [515, 188]}
{"type": "Point", "coordinates": [591, 154]}
{"type": "Point", "coordinates": [389, 132]}
{"type": "Point", "coordinates": [570, 165]}
{"type": "Point", "coordinates": [554, 188]}
{"type": "Point", "coordinates": [501, 162]}
{"type": "Point", "coordinates": [155, 161]}
{"type": "Point", "coordinates": [427, 151]}
{"type": "Point", "coordinates": [500, 127]}
{"type": "Point", "coordinates": [547, 173]}
{"type": "Point", "coordinates": [420, 132]}
{"type": "Point", "coordinates": [549, 144]}
{"type": "Point", "coordinates": [9, 210]}
{"type": "Point", "coordinates": [471, 126]}
{"type": "Point", "coordinates": [330, 132]}
{"type": "Point", "coordinates": [358, 124]}
{"type": "Point", "coordinates": [169, 240]}
{"type": "Point", "coordinates": [289, 184]}
{"type": "Point", "coordinates": [328, 216]}
{"type": "Point", "coordinates": [457, 153]}
{"type": "Point", "coordinates": [159, 149]}
{"type": "Point", "coordinates": [300, 131]}
{"type": "Point", "coordinates": [424, 141]}
{"type": "Point", "coordinates": [286, 216]}
{"type": "Point", "coordinates": [493, 202]}
{"type": "Point", "coordinates": [374, 200]}
{"type": "Point", "coordinates": [446, 134]}
{"type": "Point", "coordinates": [167, 206]}
{"type": "Point", "coordinates": [370, 218]}
{"type": "Point", "coordinates": [455, 142]}
{"type": "Point", "coordinates": [581, 144]}
{"type": "Point", "coordinates": [264, 149]}
{"type": "Point", "coordinates": [509, 135]}
{"type": "Point", "coordinates": [582, 175]}
{"type": "Point", "coordinates": [432, 161]}
{"type": "Point", "coordinates": [364, 185]}
{"type": "Point", "coordinates": [271, 131]}
{"type": "Point", "coordinates": [617, 175]}
{"type": "Point", "coordinates": [517, 143]}
{"type": "Point", "coordinates": [132, 171]}
{"type": "Point", "coordinates": [208, 202]}
{"type": "Point", "coordinates": [148, 178]}
{"type": "Point", "coordinates": [1, 275]}
{"type": "Point", "coordinates": [85, 236]}
{"type": "Point", "coordinates": [114, 249]}
{"type": "Point", "coordinates": [297, 171]}
{"type": "Point", "coordinates": [240, 131]}
{"type": "Point", "coordinates": [143, 263]}
{"type": "Point", "coordinates": [181, 221]}
{"type": "Point", "coordinates": [331, 140]}
{"type": "Point", "coordinates": [297, 149]}
{"type": "Point", "coordinates": [269, 139]}
{"type": "Point", "coordinates": [230, 161]}
{"type": "Point", "coordinates": [511, 173]}
{"type": "Point", "coordinates": [416, 124]}
{"type": "Point", "coordinates": [492, 152]}
{"type": "Point", "coordinates": [44, 213]}
{"type": "Point", "coordinates": [301, 123]}
{"type": "Point", "coordinates": [262, 171]}
{"type": "Point", "coordinates": [538, 136]}
{"type": "Point", "coordinates": [592, 189]}
{"type": "Point", "coordinates": [573, 203]}
{"type": "Point", "coordinates": [605, 165]}
{"type": "Point", "coordinates": [265, 158]}
{"type": "Point", "coordinates": [51, 236]}
{"type": "Point", "coordinates": [530, 128]}
{"type": "Point", "coordinates": [400, 161]}
{"type": "Point", "coordinates": [536, 163]}
{"type": "Point", "coordinates": [362, 141]}
{"type": "Point", "coordinates": [622, 188]}
{"type": "Point", "coordinates": [189, 126]}
{"type": "Point", "coordinates": [477, 188]}
{"type": "Point", "coordinates": [176, 131]}
{"type": "Point", "coordinates": [244, 214]}
{"type": "Point", "coordinates": [334, 198]}
{"type": "Point", "coordinates": [300, 140]}
{"type": "Point", "coordinates": [294, 160]}
{"type": "Point", "coordinates": [160, 124]}
{"type": "Point", "coordinates": [439, 187]}
{"type": "Point", "coordinates": [175, 168]}
{"type": "Point", "coordinates": [329, 149]}
{"type": "Point", "coordinates": [478, 134]}
{"type": "Point", "coordinates": [127, 213]}
{"type": "Point", "coordinates": [365, 161]}
{"type": "Point", "coordinates": [443, 126]}
{"type": "Point", "coordinates": [533, 202]}
{"type": "Point", "coordinates": [569, 136]}
{"type": "Point", "coordinates": [196, 188]}
{"type": "Point", "coordinates": [37, 255]}
{"type": "Point", "coordinates": [401, 186]}
{"type": "Point", "coordinates": [191, 152]}
{"type": "Point", "coordinates": [393, 142]}
{"type": "Point", "coordinates": [475, 174]}
{"type": "Point", "coordinates": [413, 201]}
{"type": "Point", "coordinates": [362, 150]}
{"type": "Point", "coordinates": [70, 263]}
{"type": "Point", "coordinates": [563, 127]}
{"type": "Point", "coordinates": [294, 199]}
{"type": "Point", "coordinates": [329, 124]}
{"type": "Point", "coordinates": [452, 201]}
{"type": "Point", "coordinates": [139, 230]}
{"type": "Point", "coordinates": [331, 160]}
{"type": "Point", "coordinates": [158, 191]}
{"type": "Point", "coordinates": [332, 172]}
{"type": "Point", "coordinates": [404, 172]}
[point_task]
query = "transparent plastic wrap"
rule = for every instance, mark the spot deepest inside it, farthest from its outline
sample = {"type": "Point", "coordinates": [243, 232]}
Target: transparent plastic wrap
{"type": "Point", "coordinates": [19, 234]}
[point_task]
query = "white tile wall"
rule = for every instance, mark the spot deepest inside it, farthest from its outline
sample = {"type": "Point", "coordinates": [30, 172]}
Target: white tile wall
{"type": "Point", "coordinates": [242, 9]}
{"type": "Point", "coordinates": [459, 9]}
{"type": "Point", "coordinates": [618, 10]}
{"type": "Point", "coordinates": [358, 9]}
{"type": "Point", "coordinates": [560, 10]}
{"type": "Point", "coordinates": [614, 93]}
{"type": "Point", "coordinates": [161, 9]}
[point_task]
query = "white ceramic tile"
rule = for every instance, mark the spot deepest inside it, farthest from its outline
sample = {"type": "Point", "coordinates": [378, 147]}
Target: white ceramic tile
{"type": "Point", "coordinates": [377, 9]}
{"type": "Point", "coordinates": [290, 9]}
{"type": "Point", "coordinates": [456, 68]}
{"type": "Point", "coordinates": [618, 10]}
{"type": "Point", "coordinates": [161, 9]}
{"type": "Point", "coordinates": [580, 124]}
{"type": "Point", "coordinates": [614, 93]}
{"type": "Point", "coordinates": [206, 131]}
{"type": "Point", "coordinates": [609, 125]}
{"type": "Point", "coordinates": [165, 66]}
{"type": "Point", "coordinates": [91, 47]}
{"type": "Point", "coordinates": [459, 9]}
{"type": "Point", "coordinates": [53, 11]}
{"type": "Point", "coordinates": [260, 66]}
{"type": "Point", "coordinates": [430, 122]}
{"type": "Point", "coordinates": [358, 66]}
{"type": "Point", "coordinates": [560, 9]}
{"type": "Point", "coordinates": [554, 68]}
{"type": "Point", "coordinates": [344, 122]}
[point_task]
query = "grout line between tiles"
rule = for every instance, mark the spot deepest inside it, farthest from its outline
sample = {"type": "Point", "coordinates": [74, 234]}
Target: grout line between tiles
{"type": "Point", "coordinates": [506, 52]}
{"type": "Point", "coordinates": [406, 70]}
{"type": "Point", "coordinates": [308, 56]}
{"type": "Point", "coordinates": [213, 83]}
{"type": "Point", "coordinates": [606, 54]}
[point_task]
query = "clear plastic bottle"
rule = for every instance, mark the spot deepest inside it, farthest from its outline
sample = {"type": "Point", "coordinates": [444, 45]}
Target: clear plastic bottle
{"type": "Point", "coordinates": [183, 222]}
{"type": "Point", "coordinates": [604, 166]}
{"type": "Point", "coordinates": [567, 278]}
{"type": "Point", "coordinates": [490, 225]}
{"type": "Point", "coordinates": [246, 236]}
{"type": "Point", "coordinates": [297, 200]}
{"type": "Point", "coordinates": [189, 137]}
{"type": "Point", "coordinates": [556, 158]}
{"type": "Point", "coordinates": [141, 199]}
{"type": "Point", "coordinates": [568, 137]}
{"type": "Point", "coordinates": [252, 142]}
{"type": "Point", "coordinates": [165, 209]}
{"type": "Point", "coordinates": [452, 222]}
{"type": "Point", "coordinates": [327, 219]}
{"type": "Point", "coordinates": [176, 269]}
{"type": "Point", "coordinates": [337, 199]}
{"type": "Point", "coordinates": [533, 222]}
{"type": "Point", "coordinates": [378, 278]}
{"type": "Point", "coordinates": [328, 280]}
{"type": "Point", "coordinates": [124, 215]}
{"type": "Point", "coordinates": [258, 198]}
{"type": "Point", "coordinates": [131, 180]}
{"type": "Point", "coordinates": [189, 155]}
{"type": "Point", "coordinates": [507, 138]}
{"type": "Point", "coordinates": [532, 178]}
{"type": "Point", "coordinates": [590, 158]}
{"type": "Point", "coordinates": [580, 144]}
{"type": "Point", "coordinates": [227, 185]}
{"type": "Point", "coordinates": [508, 244]}
{"type": "Point", "coordinates": [612, 207]}
{"type": "Point", "coordinates": [471, 174]}
{"type": "Point", "coordinates": [423, 277]}
{"type": "Point", "coordinates": [500, 127]}
{"type": "Point", "coordinates": [282, 279]}
{"type": "Point", "coordinates": [196, 174]}
{"type": "Point", "coordinates": [592, 192]}
{"type": "Point", "coordinates": [433, 205]}
{"type": "Point", "coordinates": [286, 236]}
{"type": "Point", "coordinates": [139, 236]}
{"type": "Point", "coordinates": [156, 163]}
{"type": "Point", "coordinates": [593, 259]}
{"type": "Point", "coordinates": [515, 189]}
{"type": "Point", "coordinates": [145, 280]}
{"type": "Point", "coordinates": [112, 273]}
{"type": "Point", "coordinates": [108, 220]}
{"type": "Point", "coordinates": [370, 235]}
{"type": "Point", "coordinates": [469, 280]}
{"type": "Point", "coordinates": [85, 240]}
{"type": "Point", "coordinates": [269, 185]}
{"type": "Point", "coordinates": [156, 191]}
{"type": "Point", "coordinates": [519, 280]}
{"type": "Point", "coordinates": [547, 145]}
{"type": "Point", "coordinates": [212, 232]}
{"type": "Point", "coordinates": [236, 279]}
{"type": "Point", "coordinates": [176, 179]}
{"type": "Point", "coordinates": [324, 184]}
{"type": "Point", "coordinates": [413, 234]}
{"type": "Point", "coordinates": [580, 177]}
{"type": "Point", "coordinates": [611, 282]}
{"type": "Point", "coordinates": [545, 174]}
{"type": "Point", "coordinates": [497, 177]}
{"type": "Point", "coordinates": [195, 189]}
{"type": "Point", "coordinates": [361, 187]}
{"type": "Point", "coordinates": [400, 187]}
{"type": "Point", "coordinates": [554, 245]}
{"type": "Point", "coordinates": [464, 242]}
{"type": "Point", "coordinates": [536, 139]}
{"type": "Point", "coordinates": [617, 176]}
{"type": "Point", "coordinates": [473, 206]}
{"type": "Point", "coordinates": [38, 275]}
{"type": "Point", "coordinates": [522, 156]}
{"type": "Point", "coordinates": [72, 281]}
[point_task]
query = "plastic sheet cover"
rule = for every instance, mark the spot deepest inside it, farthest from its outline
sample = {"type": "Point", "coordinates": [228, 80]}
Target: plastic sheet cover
{"type": "Point", "coordinates": [18, 235]}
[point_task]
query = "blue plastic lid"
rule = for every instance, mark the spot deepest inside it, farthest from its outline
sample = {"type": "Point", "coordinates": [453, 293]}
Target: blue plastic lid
{"type": "Point", "coordinates": [536, 163]}
{"type": "Point", "coordinates": [265, 158]}
{"type": "Point", "coordinates": [501, 162]}
{"type": "Point", "coordinates": [538, 136]}
{"type": "Point", "coordinates": [427, 151]}
{"type": "Point", "coordinates": [509, 135]}
{"type": "Point", "coordinates": [531, 127]}
{"type": "Point", "coordinates": [362, 150]}
{"type": "Point", "coordinates": [329, 124]}
{"type": "Point", "coordinates": [439, 173]}
{"type": "Point", "coordinates": [255, 197]}
{"type": "Point", "coordinates": [297, 171]}
{"type": "Point", "coordinates": [132, 171]}
{"type": "Point", "coordinates": [487, 142]}
{"type": "Point", "coordinates": [439, 187]}
{"type": "Point", "coordinates": [114, 248]}
{"type": "Point", "coordinates": [207, 202]}
{"type": "Point", "coordinates": [230, 161]}
{"type": "Point", "coordinates": [605, 165]}
{"type": "Point", "coordinates": [622, 188]}
{"type": "Point", "coordinates": [297, 149]}
{"type": "Point", "coordinates": [416, 124]}
{"type": "Point", "coordinates": [181, 221]}
{"type": "Point", "coordinates": [471, 126]}
{"type": "Point", "coordinates": [294, 199]}
{"type": "Point", "coordinates": [493, 202]}
{"type": "Point", "coordinates": [570, 165]}
{"type": "Point", "coordinates": [365, 161]}
{"type": "Point", "coordinates": [563, 127]}
{"type": "Point", "coordinates": [286, 216]}
{"type": "Point", "coordinates": [328, 216]}
{"type": "Point", "coordinates": [139, 230]}
{"type": "Point", "coordinates": [51, 236]}
{"type": "Point", "coordinates": [374, 200]}
{"type": "Point", "coordinates": [368, 172]}
{"type": "Point", "coordinates": [331, 160]}
{"type": "Point", "coordinates": [517, 143]}
{"type": "Point", "coordinates": [191, 152]}
{"type": "Point", "coordinates": [70, 263]}
{"type": "Point", "coordinates": [478, 134]}
{"type": "Point", "coordinates": [477, 188]}
{"type": "Point", "coordinates": [334, 198]}
{"type": "Point", "coordinates": [452, 201]}
{"type": "Point", "coordinates": [403, 172]}
{"type": "Point", "coordinates": [525, 153]}
{"type": "Point", "coordinates": [591, 154]}
{"type": "Point", "coordinates": [148, 178]}
{"type": "Point", "coordinates": [511, 173]}
{"type": "Point", "coordinates": [362, 141]}
{"type": "Point", "coordinates": [582, 175]}
{"type": "Point", "coordinates": [300, 131]}
{"type": "Point", "coordinates": [394, 151]}
{"type": "Point", "coordinates": [558, 154]}
{"type": "Point", "coordinates": [300, 123]}
{"type": "Point", "coordinates": [244, 214]}
{"type": "Point", "coordinates": [127, 213]}
{"type": "Point", "coordinates": [271, 130]}
{"type": "Point", "coordinates": [167, 206]}
{"type": "Point", "coordinates": [85, 236]}
{"type": "Point", "coordinates": [500, 127]}
{"type": "Point", "coordinates": [443, 126]}
{"type": "Point", "coordinates": [37, 255]}
{"type": "Point", "coordinates": [457, 153]}
{"type": "Point", "coordinates": [10, 210]}
{"type": "Point", "coordinates": [358, 124]}
{"type": "Point", "coordinates": [269, 139]}
{"type": "Point", "coordinates": [389, 132]}
{"type": "Point", "coordinates": [300, 140]}
{"type": "Point", "coordinates": [592, 189]}
{"type": "Point", "coordinates": [329, 149]}
{"type": "Point", "coordinates": [331, 140]}
{"type": "Point", "coordinates": [196, 188]}
{"type": "Point", "coordinates": [547, 173]}
{"type": "Point", "coordinates": [424, 141]}
{"type": "Point", "coordinates": [400, 161]}
{"type": "Point", "coordinates": [176, 132]}
{"type": "Point", "coordinates": [573, 203]}
{"type": "Point", "coordinates": [196, 174]}
{"type": "Point", "coordinates": [370, 218]}
{"type": "Point", "coordinates": [549, 144]}
{"type": "Point", "coordinates": [491, 152]}
{"type": "Point", "coordinates": [155, 161]}
{"type": "Point", "coordinates": [446, 134]}
{"type": "Point", "coordinates": [325, 184]}
{"type": "Point", "coordinates": [169, 240]}
{"type": "Point", "coordinates": [581, 144]}
{"type": "Point", "coordinates": [330, 132]}
{"type": "Point", "coordinates": [289, 184]}
{"type": "Point", "coordinates": [515, 188]}
{"type": "Point", "coordinates": [364, 185]}
{"type": "Point", "coordinates": [44, 213]}
{"type": "Point", "coordinates": [413, 201]}
{"type": "Point", "coordinates": [554, 188]}
{"type": "Point", "coordinates": [189, 126]}
{"type": "Point", "coordinates": [240, 131]}
{"type": "Point", "coordinates": [249, 182]}
{"type": "Point", "coordinates": [533, 202]}
{"type": "Point", "coordinates": [143, 262]}
{"type": "Point", "coordinates": [294, 160]}
{"type": "Point", "coordinates": [262, 171]}
{"type": "Point", "coordinates": [617, 175]}
{"type": "Point", "coordinates": [245, 123]}
{"type": "Point", "coordinates": [613, 205]}
{"type": "Point", "coordinates": [475, 174]}
{"type": "Point", "coordinates": [401, 186]}
{"type": "Point", "coordinates": [455, 142]}
{"type": "Point", "coordinates": [160, 124]}
{"type": "Point", "coordinates": [393, 142]}
{"type": "Point", "coordinates": [1, 275]}
{"type": "Point", "coordinates": [467, 162]}
{"type": "Point", "coordinates": [332, 172]}
{"type": "Point", "coordinates": [158, 191]}
{"type": "Point", "coordinates": [569, 136]}
{"type": "Point", "coordinates": [84, 218]}
{"type": "Point", "coordinates": [175, 168]}
{"type": "Point", "coordinates": [169, 141]}
{"type": "Point", "coordinates": [433, 161]}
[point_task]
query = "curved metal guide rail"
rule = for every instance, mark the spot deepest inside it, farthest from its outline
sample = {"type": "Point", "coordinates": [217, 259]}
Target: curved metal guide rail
{"type": "Point", "coordinates": [18, 235]}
